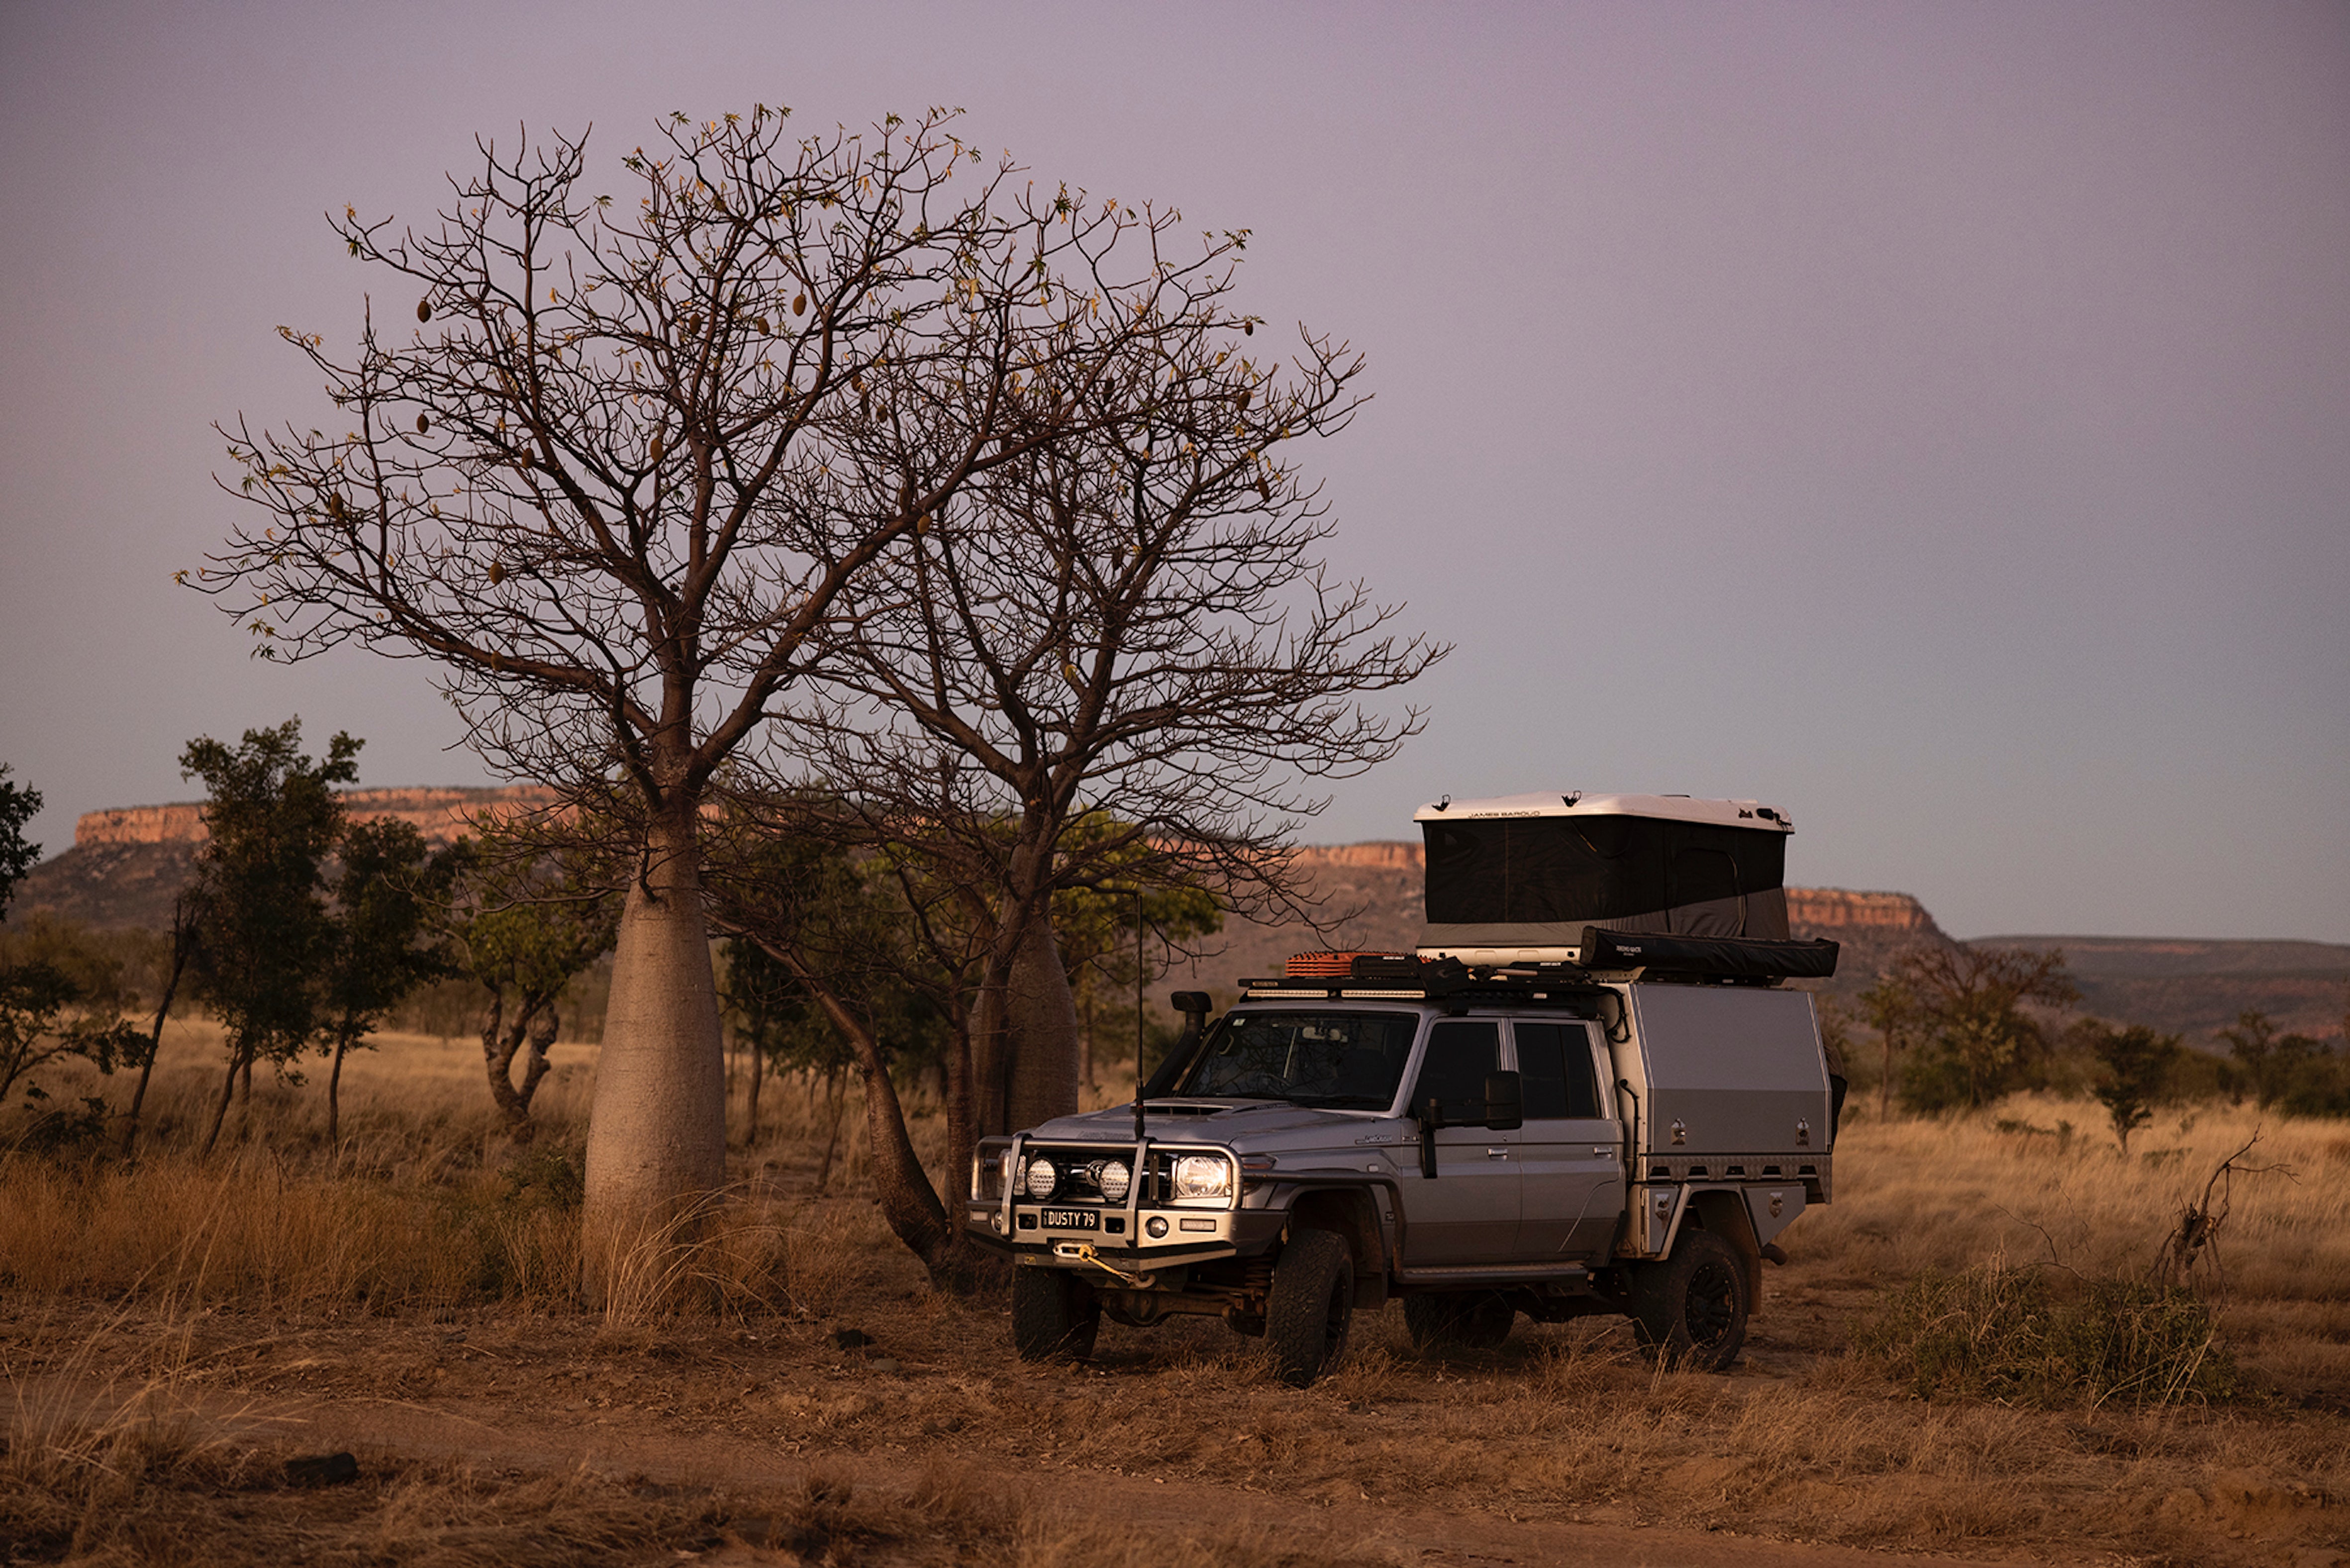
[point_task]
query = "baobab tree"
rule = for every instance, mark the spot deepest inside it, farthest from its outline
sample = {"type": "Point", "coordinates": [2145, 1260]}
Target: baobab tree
{"type": "Point", "coordinates": [615, 478]}
{"type": "Point", "coordinates": [1117, 660]}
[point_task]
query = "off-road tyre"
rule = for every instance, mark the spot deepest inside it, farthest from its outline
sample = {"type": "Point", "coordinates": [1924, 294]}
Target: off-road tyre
{"type": "Point", "coordinates": [1691, 1309]}
{"type": "Point", "coordinates": [1458, 1320]}
{"type": "Point", "coordinates": [1312, 1302]}
{"type": "Point", "coordinates": [1054, 1316]}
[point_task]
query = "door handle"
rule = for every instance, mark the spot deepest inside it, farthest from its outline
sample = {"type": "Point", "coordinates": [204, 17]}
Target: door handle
{"type": "Point", "coordinates": [1497, 1153]}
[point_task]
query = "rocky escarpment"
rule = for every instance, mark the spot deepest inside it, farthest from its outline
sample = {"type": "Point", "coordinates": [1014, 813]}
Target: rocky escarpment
{"type": "Point", "coordinates": [440, 814]}
{"type": "Point", "coordinates": [128, 863]}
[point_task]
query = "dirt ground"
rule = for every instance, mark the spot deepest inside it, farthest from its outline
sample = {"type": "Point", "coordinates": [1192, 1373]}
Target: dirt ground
{"type": "Point", "coordinates": [839, 1411]}
{"type": "Point", "coordinates": [906, 1433]}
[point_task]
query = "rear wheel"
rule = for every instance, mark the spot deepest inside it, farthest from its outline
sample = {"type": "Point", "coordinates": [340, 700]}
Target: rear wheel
{"type": "Point", "coordinates": [1458, 1320]}
{"type": "Point", "coordinates": [1052, 1315]}
{"type": "Point", "coordinates": [1311, 1304]}
{"type": "Point", "coordinates": [1692, 1306]}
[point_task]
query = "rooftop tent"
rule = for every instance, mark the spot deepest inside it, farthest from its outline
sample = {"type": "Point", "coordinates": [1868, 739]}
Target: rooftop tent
{"type": "Point", "coordinates": [1531, 871]}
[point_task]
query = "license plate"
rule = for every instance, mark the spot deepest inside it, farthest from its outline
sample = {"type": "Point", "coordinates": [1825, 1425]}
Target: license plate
{"type": "Point", "coordinates": [1071, 1220]}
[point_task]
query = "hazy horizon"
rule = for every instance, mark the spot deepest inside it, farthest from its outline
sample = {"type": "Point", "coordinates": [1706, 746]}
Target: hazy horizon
{"type": "Point", "coordinates": [1933, 421]}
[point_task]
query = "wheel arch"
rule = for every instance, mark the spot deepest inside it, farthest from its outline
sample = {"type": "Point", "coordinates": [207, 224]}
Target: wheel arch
{"type": "Point", "coordinates": [1353, 1213]}
{"type": "Point", "coordinates": [1723, 1212]}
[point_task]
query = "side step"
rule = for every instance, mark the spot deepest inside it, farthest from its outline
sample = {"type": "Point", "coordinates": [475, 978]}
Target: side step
{"type": "Point", "coordinates": [1507, 1273]}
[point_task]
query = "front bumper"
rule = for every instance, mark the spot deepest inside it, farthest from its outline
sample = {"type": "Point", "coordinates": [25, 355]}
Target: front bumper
{"type": "Point", "coordinates": [1192, 1236]}
{"type": "Point", "coordinates": [1150, 1228]}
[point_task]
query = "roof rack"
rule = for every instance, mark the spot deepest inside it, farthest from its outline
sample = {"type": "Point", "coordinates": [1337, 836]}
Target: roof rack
{"type": "Point", "coordinates": [1407, 977]}
{"type": "Point", "coordinates": [1724, 961]}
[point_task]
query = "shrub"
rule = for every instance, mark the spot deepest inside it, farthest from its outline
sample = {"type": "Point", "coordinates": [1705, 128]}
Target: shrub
{"type": "Point", "coordinates": [2006, 1333]}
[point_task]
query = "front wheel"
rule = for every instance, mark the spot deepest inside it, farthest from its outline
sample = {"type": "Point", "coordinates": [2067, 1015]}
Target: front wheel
{"type": "Point", "coordinates": [1692, 1306]}
{"type": "Point", "coordinates": [1052, 1315]}
{"type": "Point", "coordinates": [1310, 1305]}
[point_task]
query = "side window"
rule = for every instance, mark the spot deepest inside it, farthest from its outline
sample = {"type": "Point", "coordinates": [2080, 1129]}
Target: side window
{"type": "Point", "coordinates": [1461, 1053]}
{"type": "Point", "coordinates": [1554, 1062]}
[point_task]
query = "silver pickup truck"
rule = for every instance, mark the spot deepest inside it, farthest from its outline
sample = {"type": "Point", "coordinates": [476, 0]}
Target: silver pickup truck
{"type": "Point", "coordinates": [1624, 1126]}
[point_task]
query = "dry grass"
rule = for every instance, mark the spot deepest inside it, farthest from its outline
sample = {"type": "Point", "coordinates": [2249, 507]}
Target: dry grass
{"type": "Point", "coordinates": [1943, 1196]}
{"type": "Point", "coordinates": [428, 1261]}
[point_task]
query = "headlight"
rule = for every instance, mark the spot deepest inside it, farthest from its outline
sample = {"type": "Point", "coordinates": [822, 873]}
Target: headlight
{"type": "Point", "coordinates": [1202, 1175]}
{"type": "Point", "coordinates": [1112, 1177]}
{"type": "Point", "coordinates": [1041, 1178]}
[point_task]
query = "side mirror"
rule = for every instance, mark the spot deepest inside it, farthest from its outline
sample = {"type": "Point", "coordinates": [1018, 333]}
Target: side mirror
{"type": "Point", "coordinates": [1505, 1101]}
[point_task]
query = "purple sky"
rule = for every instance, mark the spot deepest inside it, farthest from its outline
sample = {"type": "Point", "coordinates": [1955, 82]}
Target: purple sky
{"type": "Point", "coordinates": [1932, 420]}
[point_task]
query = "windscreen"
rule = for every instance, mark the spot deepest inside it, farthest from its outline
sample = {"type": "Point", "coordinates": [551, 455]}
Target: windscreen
{"type": "Point", "coordinates": [1333, 1061]}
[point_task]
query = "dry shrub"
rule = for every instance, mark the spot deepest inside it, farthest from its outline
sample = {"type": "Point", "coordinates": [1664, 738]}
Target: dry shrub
{"type": "Point", "coordinates": [723, 1254]}
{"type": "Point", "coordinates": [2011, 1333]}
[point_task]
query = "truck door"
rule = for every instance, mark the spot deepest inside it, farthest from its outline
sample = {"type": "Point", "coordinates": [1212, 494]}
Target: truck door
{"type": "Point", "coordinates": [1570, 1153]}
{"type": "Point", "coordinates": [1468, 1214]}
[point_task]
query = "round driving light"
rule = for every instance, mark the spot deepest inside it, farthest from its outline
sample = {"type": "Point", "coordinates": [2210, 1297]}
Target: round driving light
{"type": "Point", "coordinates": [1112, 1177]}
{"type": "Point", "coordinates": [1041, 1178]}
{"type": "Point", "coordinates": [1202, 1175]}
{"type": "Point", "coordinates": [1156, 1225]}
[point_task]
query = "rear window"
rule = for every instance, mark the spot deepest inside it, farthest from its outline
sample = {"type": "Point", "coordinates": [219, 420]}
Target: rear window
{"type": "Point", "coordinates": [1554, 1064]}
{"type": "Point", "coordinates": [1334, 1061]}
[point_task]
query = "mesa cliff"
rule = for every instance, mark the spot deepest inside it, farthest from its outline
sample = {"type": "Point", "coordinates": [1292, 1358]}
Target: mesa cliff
{"type": "Point", "coordinates": [440, 814]}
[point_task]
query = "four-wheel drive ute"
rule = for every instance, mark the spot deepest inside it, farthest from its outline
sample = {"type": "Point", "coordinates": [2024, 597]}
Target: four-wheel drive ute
{"type": "Point", "coordinates": [1502, 1122]}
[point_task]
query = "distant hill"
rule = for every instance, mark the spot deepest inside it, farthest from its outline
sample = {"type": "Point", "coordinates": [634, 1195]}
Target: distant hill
{"type": "Point", "coordinates": [127, 864]}
{"type": "Point", "coordinates": [2193, 987]}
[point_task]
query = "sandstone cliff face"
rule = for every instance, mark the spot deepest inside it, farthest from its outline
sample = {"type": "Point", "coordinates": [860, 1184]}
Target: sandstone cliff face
{"type": "Point", "coordinates": [441, 815]}
{"type": "Point", "coordinates": [1826, 911]}
{"type": "Point", "coordinates": [128, 864]}
{"type": "Point", "coordinates": [1386, 855]}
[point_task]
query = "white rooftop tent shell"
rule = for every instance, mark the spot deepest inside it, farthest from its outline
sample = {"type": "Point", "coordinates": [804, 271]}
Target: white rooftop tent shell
{"type": "Point", "coordinates": [1518, 877]}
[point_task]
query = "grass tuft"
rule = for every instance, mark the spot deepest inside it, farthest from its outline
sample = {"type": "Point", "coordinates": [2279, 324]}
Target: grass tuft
{"type": "Point", "coordinates": [2011, 1333]}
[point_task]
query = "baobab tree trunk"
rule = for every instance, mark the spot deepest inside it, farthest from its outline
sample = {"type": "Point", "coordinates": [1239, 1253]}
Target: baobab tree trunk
{"type": "Point", "coordinates": [1046, 1059]}
{"type": "Point", "coordinates": [657, 1135]}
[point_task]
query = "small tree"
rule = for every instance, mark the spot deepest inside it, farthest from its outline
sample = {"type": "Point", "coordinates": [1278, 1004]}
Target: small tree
{"type": "Point", "coordinates": [60, 996]}
{"type": "Point", "coordinates": [380, 944]}
{"type": "Point", "coordinates": [2276, 1063]}
{"type": "Point", "coordinates": [262, 932]}
{"type": "Point", "coordinates": [886, 954]}
{"type": "Point", "coordinates": [2134, 1071]}
{"type": "Point", "coordinates": [1966, 1014]}
{"type": "Point", "coordinates": [20, 804]}
{"type": "Point", "coordinates": [1891, 1009]}
{"type": "Point", "coordinates": [528, 916]}
{"type": "Point", "coordinates": [1107, 933]}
